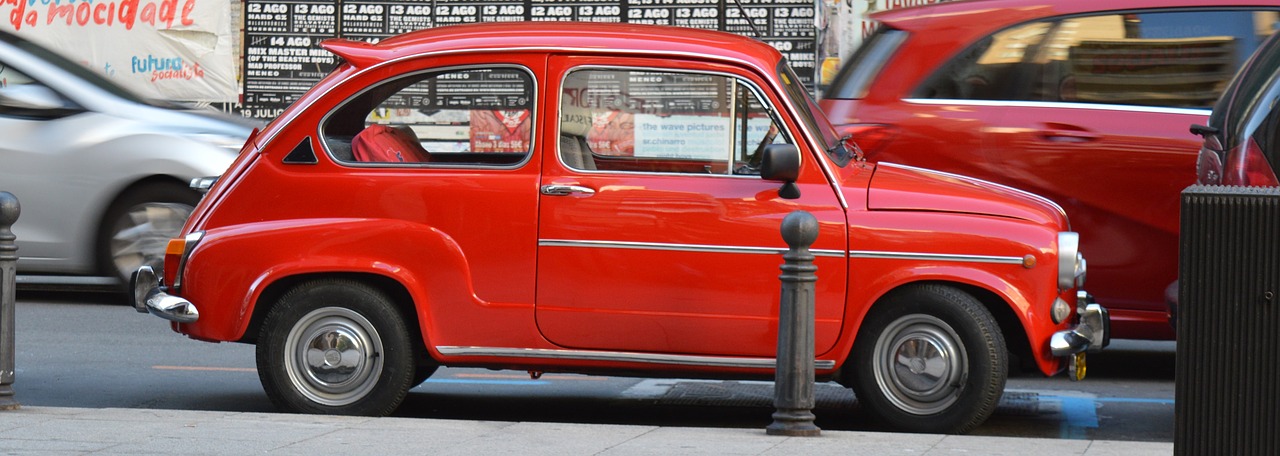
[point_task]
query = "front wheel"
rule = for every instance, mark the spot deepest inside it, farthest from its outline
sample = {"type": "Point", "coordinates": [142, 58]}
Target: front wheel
{"type": "Point", "coordinates": [336, 347]}
{"type": "Point", "coordinates": [930, 358]}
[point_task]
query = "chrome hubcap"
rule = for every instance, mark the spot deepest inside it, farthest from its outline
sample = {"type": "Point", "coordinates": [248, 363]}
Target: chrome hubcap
{"type": "Point", "coordinates": [141, 234]}
{"type": "Point", "coordinates": [920, 364]}
{"type": "Point", "coordinates": [333, 356]}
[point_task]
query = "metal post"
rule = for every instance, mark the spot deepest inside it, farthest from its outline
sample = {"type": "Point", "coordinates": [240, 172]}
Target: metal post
{"type": "Point", "coordinates": [9, 210]}
{"type": "Point", "coordinates": [793, 380]}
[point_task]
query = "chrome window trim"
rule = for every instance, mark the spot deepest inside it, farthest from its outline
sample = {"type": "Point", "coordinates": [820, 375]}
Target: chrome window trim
{"type": "Point", "coordinates": [1060, 105]}
{"type": "Point", "coordinates": [787, 102]}
{"type": "Point", "coordinates": [533, 111]}
{"type": "Point", "coordinates": [548, 49]}
{"type": "Point", "coordinates": [961, 258]}
{"type": "Point", "coordinates": [682, 247]}
{"type": "Point", "coordinates": [629, 357]}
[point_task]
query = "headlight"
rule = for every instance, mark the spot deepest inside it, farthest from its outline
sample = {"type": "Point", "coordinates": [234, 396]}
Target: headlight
{"type": "Point", "coordinates": [1071, 264]}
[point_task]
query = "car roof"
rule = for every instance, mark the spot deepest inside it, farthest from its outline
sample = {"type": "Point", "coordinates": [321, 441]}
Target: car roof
{"type": "Point", "coordinates": [579, 37]}
{"type": "Point", "coordinates": [993, 14]}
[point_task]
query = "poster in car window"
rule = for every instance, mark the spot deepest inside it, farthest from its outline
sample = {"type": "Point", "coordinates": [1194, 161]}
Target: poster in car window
{"type": "Point", "coordinates": [164, 49]}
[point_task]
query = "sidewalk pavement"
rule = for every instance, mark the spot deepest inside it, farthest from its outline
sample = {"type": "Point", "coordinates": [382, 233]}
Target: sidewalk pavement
{"type": "Point", "coordinates": [57, 430]}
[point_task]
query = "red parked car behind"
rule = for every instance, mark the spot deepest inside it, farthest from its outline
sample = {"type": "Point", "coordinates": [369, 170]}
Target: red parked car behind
{"type": "Point", "coordinates": [607, 199]}
{"type": "Point", "coordinates": [1085, 102]}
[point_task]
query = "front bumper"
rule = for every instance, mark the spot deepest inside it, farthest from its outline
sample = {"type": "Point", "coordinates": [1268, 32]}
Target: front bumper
{"type": "Point", "coordinates": [1092, 334]}
{"type": "Point", "coordinates": [149, 296]}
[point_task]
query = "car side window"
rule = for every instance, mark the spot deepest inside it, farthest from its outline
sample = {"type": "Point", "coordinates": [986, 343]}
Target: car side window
{"type": "Point", "coordinates": [24, 97]}
{"type": "Point", "coordinates": [456, 117]}
{"type": "Point", "coordinates": [1181, 59]}
{"type": "Point", "coordinates": [642, 120]}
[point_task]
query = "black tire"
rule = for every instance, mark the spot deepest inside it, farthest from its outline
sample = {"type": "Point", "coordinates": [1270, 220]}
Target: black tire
{"type": "Point", "coordinates": [303, 372]}
{"type": "Point", "coordinates": [930, 359]}
{"type": "Point", "coordinates": [138, 225]}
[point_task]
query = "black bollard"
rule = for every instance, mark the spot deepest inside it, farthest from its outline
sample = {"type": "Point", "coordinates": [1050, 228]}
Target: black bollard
{"type": "Point", "coordinates": [793, 380]}
{"type": "Point", "coordinates": [9, 210]}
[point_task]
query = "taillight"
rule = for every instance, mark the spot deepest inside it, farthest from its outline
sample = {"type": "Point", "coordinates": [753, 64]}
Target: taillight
{"type": "Point", "coordinates": [871, 138]}
{"type": "Point", "coordinates": [1246, 166]}
{"type": "Point", "coordinates": [175, 258]}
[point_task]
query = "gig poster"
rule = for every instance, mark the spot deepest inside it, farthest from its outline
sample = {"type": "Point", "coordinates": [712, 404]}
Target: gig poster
{"type": "Point", "coordinates": [283, 58]}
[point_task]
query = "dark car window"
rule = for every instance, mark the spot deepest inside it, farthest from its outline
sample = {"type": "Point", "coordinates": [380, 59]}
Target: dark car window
{"type": "Point", "coordinates": [1252, 91]}
{"type": "Point", "coordinates": [18, 92]}
{"type": "Point", "coordinates": [865, 64]}
{"type": "Point", "coordinates": [1180, 59]}
{"type": "Point", "coordinates": [1250, 107]}
{"type": "Point", "coordinates": [456, 117]}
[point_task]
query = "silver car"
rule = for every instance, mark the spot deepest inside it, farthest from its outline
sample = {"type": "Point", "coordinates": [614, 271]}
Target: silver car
{"type": "Point", "coordinates": [102, 175]}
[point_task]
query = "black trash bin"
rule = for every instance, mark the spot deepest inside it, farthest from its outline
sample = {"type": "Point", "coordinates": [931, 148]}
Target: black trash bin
{"type": "Point", "coordinates": [1228, 350]}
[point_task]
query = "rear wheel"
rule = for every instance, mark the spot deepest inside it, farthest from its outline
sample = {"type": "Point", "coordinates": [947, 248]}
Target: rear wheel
{"type": "Point", "coordinates": [138, 226]}
{"type": "Point", "coordinates": [336, 347]}
{"type": "Point", "coordinates": [930, 358]}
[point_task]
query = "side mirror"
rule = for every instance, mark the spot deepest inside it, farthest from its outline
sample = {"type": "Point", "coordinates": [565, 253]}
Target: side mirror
{"type": "Point", "coordinates": [781, 162]}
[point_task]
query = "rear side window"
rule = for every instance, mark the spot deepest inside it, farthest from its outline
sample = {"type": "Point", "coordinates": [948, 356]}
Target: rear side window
{"type": "Point", "coordinates": [453, 117]}
{"type": "Point", "coordinates": [1178, 59]}
{"type": "Point", "coordinates": [855, 77]}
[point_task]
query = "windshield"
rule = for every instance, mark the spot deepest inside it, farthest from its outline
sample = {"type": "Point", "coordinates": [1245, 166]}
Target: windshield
{"type": "Point", "coordinates": [80, 71]}
{"type": "Point", "coordinates": [855, 76]}
{"type": "Point", "coordinates": [813, 117]}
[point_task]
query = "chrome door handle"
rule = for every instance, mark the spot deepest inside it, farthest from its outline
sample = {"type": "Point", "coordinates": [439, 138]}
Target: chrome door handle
{"type": "Point", "coordinates": [565, 190]}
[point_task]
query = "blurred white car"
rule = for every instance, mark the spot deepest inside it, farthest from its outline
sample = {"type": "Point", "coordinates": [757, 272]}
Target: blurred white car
{"type": "Point", "coordinates": [101, 174]}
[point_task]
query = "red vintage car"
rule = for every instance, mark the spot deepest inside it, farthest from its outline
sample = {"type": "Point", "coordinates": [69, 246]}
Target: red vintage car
{"type": "Point", "coordinates": [1085, 102]}
{"type": "Point", "coordinates": [607, 199]}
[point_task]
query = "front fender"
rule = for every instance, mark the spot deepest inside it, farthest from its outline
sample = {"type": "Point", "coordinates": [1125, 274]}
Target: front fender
{"type": "Point", "coordinates": [1033, 318]}
{"type": "Point", "coordinates": [1012, 260]}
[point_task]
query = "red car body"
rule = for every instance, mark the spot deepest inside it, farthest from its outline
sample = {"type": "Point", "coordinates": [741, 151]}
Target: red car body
{"type": "Point", "coordinates": [1055, 115]}
{"type": "Point", "coordinates": [527, 258]}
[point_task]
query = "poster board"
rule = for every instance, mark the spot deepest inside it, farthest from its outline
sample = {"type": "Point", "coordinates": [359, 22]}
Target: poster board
{"type": "Point", "coordinates": [163, 49]}
{"type": "Point", "coordinates": [293, 29]}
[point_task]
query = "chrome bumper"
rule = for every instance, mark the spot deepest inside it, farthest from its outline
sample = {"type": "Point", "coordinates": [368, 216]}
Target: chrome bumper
{"type": "Point", "coordinates": [1092, 334]}
{"type": "Point", "coordinates": [149, 296]}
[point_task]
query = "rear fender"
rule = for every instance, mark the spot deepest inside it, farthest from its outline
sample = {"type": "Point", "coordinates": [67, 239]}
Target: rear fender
{"type": "Point", "coordinates": [233, 266]}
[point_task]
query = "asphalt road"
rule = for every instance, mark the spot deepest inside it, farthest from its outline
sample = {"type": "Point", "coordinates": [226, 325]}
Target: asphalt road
{"type": "Point", "coordinates": [87, 350]}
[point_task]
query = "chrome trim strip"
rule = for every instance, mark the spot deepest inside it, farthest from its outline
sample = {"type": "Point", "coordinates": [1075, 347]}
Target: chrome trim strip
{"type": "Point", "coordinates": [683, 247]}
{"type": "Point", "coordinates": [628, 357]}
{"type": "Point", "coordinates": [1060, 104]}
{"type": "Point", "coordinates": [935, 257]}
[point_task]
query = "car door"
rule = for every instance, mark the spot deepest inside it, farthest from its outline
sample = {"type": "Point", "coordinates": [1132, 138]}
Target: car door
{"type": "Point", "coordinates": [35, 121]}
{"type": "Point", "coordinates": [1099, 123]}
{"type": "Point", "coordinates": [655, 234]}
